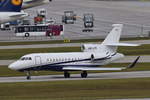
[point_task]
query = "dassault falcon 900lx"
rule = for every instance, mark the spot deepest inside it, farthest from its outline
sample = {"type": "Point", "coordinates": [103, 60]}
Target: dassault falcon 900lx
{"type": "Point", "coordinates": [93, 55]}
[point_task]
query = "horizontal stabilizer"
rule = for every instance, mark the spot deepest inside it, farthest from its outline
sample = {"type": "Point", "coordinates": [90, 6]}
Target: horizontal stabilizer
{"type": "Point", "coordinates": [122, 44]}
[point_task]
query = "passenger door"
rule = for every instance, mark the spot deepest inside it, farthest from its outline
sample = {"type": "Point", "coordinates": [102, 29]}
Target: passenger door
{"type": "Point", "coordinates": [38, 60]}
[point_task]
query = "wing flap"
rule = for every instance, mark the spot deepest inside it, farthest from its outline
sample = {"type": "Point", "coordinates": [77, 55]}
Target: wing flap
{"type": "Point", "coordinates": [91, 69]}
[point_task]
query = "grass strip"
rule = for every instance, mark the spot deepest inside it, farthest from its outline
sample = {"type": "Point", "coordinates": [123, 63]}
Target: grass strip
{"type": "Point", "coordinates": [66, 41]}
{"type": "Point", "coordinates": [17, 53]}
{"type": "Point", "coordinates": [77, 90]}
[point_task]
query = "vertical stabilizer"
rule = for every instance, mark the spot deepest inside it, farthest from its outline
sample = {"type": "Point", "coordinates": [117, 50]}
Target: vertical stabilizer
{"type": "Point", "coordinates": [114, 35]}
{"type": "Point", "coordinates": [11, 5]}
{"type": "Point", "coordinates": [113, 38]}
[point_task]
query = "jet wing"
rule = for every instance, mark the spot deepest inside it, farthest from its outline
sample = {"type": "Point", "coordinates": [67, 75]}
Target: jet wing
{"type": "Point", "coordinates": [100, 68]}
{"type": "Point", "coordinates": [32, 1]}
{"type": "Point", "coordinates": [17, 15]}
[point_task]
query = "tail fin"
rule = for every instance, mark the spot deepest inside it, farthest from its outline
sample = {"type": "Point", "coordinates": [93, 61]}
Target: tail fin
{"type": "Point", "coordinates": [114, 35]}
{"type": "Point", "coordinates": [112, 40]}
{"type": "Point", "coordinates": [11, 5]}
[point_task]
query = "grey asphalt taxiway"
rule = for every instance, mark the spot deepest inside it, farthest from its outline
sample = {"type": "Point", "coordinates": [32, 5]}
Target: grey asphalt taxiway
{"type": "Point", "coordinates": [114, 75]}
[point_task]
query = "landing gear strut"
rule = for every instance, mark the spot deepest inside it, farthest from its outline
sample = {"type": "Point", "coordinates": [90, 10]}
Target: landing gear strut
{"type": "Point", "coordinates": [66, 74]}
{"type": "Point", "coordinates": [84, 74]}
{"type": "Point", "coordinates": [28, 75]}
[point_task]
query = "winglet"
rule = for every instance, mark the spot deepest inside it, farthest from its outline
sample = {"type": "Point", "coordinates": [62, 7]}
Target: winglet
{"type": "Point", "coordinates": [134, 63]}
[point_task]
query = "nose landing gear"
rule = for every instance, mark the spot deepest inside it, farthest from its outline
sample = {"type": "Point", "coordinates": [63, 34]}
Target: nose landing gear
{"type": "Point", "coordinates": [28, 75]}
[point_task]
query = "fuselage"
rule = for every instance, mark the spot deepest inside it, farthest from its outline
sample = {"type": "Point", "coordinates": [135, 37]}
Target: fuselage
{"type": "Point", "coordinates": [56, 61]}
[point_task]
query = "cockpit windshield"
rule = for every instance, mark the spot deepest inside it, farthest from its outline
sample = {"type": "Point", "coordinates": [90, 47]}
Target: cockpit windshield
{"type": "Point", "coordinates": [26, 58]}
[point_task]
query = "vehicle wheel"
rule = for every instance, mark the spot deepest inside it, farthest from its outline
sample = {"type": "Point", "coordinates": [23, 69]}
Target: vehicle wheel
{"type": "Point", "coordinates": [28, 77]}
{"type": "Point", "coordinates": [50, 34]}
{"type": "Point", "coordinates": [66, 75]}
{"type": "Point", "coordinates": [84, 74]}
{"type": "Point", "coordinates": [27, 34]}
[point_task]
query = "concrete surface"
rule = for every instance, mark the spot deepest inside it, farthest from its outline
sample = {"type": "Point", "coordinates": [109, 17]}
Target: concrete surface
{"type": "Point", "coordinates": [134, 15]}
{"type": "Point", "coordinates": [114, 75]}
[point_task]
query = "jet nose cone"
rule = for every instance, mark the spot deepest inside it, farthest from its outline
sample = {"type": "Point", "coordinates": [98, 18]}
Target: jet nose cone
{"type": "Point", "coordinates": [12, 66]}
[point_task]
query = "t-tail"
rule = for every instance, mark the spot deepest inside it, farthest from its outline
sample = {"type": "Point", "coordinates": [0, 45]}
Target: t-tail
{"type": "Point", "coordinates": [11, 5]}
{"type": "Point", "coordinates": [112, 40]}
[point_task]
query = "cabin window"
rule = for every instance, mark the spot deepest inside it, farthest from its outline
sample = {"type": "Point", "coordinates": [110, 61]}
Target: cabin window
{"type": "Point", "coordinates": [65, 59]}
{"type": "Point", "coordinates": [30, 58]}
{"type": "Point", "coordinates": [69, 59]}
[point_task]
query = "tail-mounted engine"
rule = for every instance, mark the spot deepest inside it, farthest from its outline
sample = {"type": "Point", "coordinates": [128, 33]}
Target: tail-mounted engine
{"type": "Point", "coordinates": [89, 47]}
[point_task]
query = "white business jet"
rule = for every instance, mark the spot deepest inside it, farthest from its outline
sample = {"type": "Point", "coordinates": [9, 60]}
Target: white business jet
{"type": "Point", "coordinates": [10, 10]}
{"type": "Point", "coordinates": [92, 57]}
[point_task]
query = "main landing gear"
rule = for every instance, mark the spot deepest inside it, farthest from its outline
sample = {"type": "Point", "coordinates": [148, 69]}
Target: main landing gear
{"type": "Point", "coordinates": [28, 75]}
{"type": "Point", "coordinates": [66, 74]}
{"type": "Point", "coordinates": [84, 74]}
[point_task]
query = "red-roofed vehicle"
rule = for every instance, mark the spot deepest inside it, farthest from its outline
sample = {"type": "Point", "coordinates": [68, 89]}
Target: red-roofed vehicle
{"type": "Point", "coordinates": [54, 30]}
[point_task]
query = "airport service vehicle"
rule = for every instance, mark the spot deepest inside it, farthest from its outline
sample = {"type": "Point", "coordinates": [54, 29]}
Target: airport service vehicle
{"type": "Point", "coordinates": [41, 17]}
{"type": "Point", "coordinates": [39, 30]}
{"type": "Point", "coordinates": [41, 12]}
{"type": "Point", "coordinates": [10, 10]}
{"type": "Point", "coordinates": [69, 17]}
{"type": "Point", "coordinates": [92, 57]}
{"type": "Point", "coordinates": [5, 26]}
{"type": "Point", "coordinates": [88, 22]}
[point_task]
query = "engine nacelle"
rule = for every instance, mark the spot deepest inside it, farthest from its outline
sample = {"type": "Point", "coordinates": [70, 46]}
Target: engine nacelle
{"type": "Point", "coordinates": [89, 47]}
